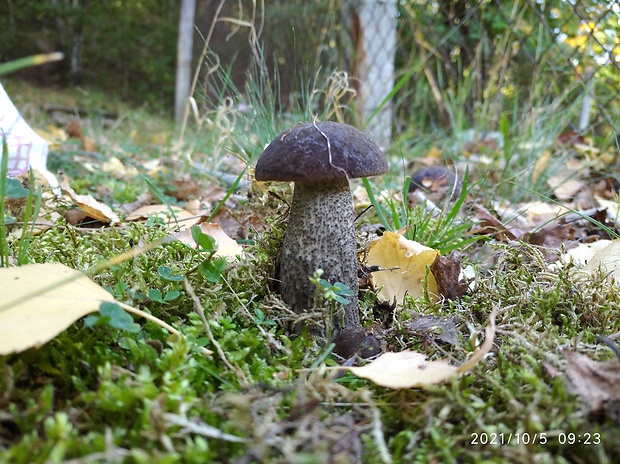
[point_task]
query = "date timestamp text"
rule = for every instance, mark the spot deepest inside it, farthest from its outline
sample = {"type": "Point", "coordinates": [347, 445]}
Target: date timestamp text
{"type": "Point", "coordinates": [526, 438]}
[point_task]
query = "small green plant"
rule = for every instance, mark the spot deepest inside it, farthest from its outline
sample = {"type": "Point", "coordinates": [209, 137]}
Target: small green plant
{"type": "Point", "coordinates": [442, 228]}
{"type": "Point", "coordinates": [156, 295]}
{"type": "Point", "coordinates": [172, 293]}
{"type": "Point", "coordinates": [113, 315]}
{"type": "Point", "coordinates": [329, 294]}
{"type": "Point", "coordinates": [166, 273]}
{"type": "Point", "coordinates": [210, 268]}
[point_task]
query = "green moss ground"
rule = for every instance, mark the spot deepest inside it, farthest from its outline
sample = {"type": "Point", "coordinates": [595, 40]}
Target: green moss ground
{"type": "Point", "coordinates": [106, 395]}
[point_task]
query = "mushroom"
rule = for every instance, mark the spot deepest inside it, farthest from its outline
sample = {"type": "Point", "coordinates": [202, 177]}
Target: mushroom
{"type": "Point", "coordinates": [437, 182]}
{"type": "Point", "coordinates": [320, 157]}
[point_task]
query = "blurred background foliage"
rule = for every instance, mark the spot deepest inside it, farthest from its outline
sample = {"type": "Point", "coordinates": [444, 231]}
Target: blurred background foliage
{"type": "Point", "coordinates": [460, 63]}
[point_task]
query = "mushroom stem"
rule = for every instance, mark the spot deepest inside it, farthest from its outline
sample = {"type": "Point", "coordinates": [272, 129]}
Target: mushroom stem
{"type": "Point", "coordinates": [320, 235]}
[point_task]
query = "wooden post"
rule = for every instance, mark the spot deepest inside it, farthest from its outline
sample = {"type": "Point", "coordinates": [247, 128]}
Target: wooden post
{"type": "Point", "coordinates": [184, 58]}
{"type": "Point", "coordinates": [375, 33]}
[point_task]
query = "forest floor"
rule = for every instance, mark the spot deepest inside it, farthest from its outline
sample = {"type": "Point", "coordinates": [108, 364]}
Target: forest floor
{"type": "Point", "coordinates": [234, 385]}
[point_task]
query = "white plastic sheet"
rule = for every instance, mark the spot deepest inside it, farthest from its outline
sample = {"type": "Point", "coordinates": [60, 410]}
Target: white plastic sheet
{"type": "Point", "coordinates": [26, 148]}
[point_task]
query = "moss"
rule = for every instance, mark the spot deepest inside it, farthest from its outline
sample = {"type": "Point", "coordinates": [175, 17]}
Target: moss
{"type": "Point", "coordinates": [104, 394]}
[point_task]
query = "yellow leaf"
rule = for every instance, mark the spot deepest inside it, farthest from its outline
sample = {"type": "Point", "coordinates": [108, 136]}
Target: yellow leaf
{"type": "Point", "coordinates": [116, 167]}
{"type": "Point", "coordinates": [404, 265]}
{"type": "Point", "coordinates": [226, 246]}
{"type": "Point", "coordinates": [181, 220]}
{"type": "Point", "coordinates": [409, 369]}
{"type": "Point", "coordinates": [89, 205]}
{"type": "Point", "coordinates": [582, 253]}
{"type": "Point", "coordinates": [541, 164]}
{"type": "Point", "coordinates": [606, 261]}
{"type": "Point", "coordinates": [53, 135]}
{"type": "Point", "coordinates": [406, 369]}
{"type": "Point", "coordinates": [38, 301]}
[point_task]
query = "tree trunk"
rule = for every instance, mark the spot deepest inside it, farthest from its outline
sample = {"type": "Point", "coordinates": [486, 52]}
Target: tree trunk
{"type": "Point", "coordinates": [76, 68]}
{"type": "Point", "coordinates": [184, 58]}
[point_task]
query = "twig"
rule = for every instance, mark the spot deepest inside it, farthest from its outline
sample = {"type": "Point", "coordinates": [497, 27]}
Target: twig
{"type": "Point", "coordinates": [610, 343]}
{"type": "Point", "coordinates": [159, 322]}
{"type": "Point", "coordinates": [201, 313]}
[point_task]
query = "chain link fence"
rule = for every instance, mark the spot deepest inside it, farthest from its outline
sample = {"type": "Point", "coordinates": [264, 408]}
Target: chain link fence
{"type": "Point", "coordinates": [402, 66]}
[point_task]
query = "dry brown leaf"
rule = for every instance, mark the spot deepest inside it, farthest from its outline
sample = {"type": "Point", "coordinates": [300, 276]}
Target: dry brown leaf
{"type": "Point", "coordinates": [38, 301]}
{"type": "Point", "coordinates": [89, 205]}
{"type": "Point", "coordinates": [563, 189]}
{"type": "Point", "coordinates": [447, 272]}
{"type": "Point", "coordinates": [226, 246]}
{"type": "Point", "coordinates": [404, 268]}
{"type": "Point", "coordinates": [89, 144]}
{"type": "Point", "coordinates": [194, 207]}
{"type": "Point", "coordinates": [41, 225]}
{"type": "Point", "coordinates": [435, 328]}
{"type": "Point", "coordinates": [409, 369]}
{"type": "Point", "coordinates": [185, 188]}
{"type": "Point", "coordinates": [118, 169]}
{"type": "Point", "coordinates": [490, 225]}
{"type": "Point", "coordinates": [181, 220]}
{"type": "Point", "coordinates": [596, 383]}
{"type": "Point", "coordinates": [612, 209]}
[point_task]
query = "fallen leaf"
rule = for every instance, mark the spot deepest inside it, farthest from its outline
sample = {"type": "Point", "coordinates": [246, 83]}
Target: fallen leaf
{"type": "Point", "coordinates": [606, 260]}
{"type": "Point", "coordinates": [541, 164]}
{"type": "Point", "coordinates": [406, 369]}
{"type": "Point", "coordinates": [596, 383]}
{"type": "Point", "coordinates": [89, 144]}
{"type": "Point", "coordinates": [38, 301]}
{"type": "Point", "coordinates": [194, 207]}
{"type": "Point", "coordinates": [75, 216]}
{"type": "Point", "coordinates": [490, 225]}
{"type": "Point", "coordinates": [118, 169]}
{"type": "Point", "coordinates": [409, 369]}
{"type": "Point", "coordinates": [447, 272]}
{"type": "Point", "coordinates": [53, 135]}
{"type": "Point", "coordinates": [360, 198]}
{"type": "Point", "coordinates": [584, 252]}
{"type": "Point", "coordinates": [362, 341]}
{"type": "Point", "coordinates": [89, 205]}
{"type": "Point", "coordinates": [226, 246]}
{"type": "Point", "coordinates": [404, 268]}
{"type": "Point", "coordinates": [181, 220]}
{"type": "Point", "coordinates": [41, 225]}
{"type": "Point", "coordinates": [612, 208]}
{"type": "Point", "coordinates": [436, 328]}
{"type": "Point", "coordinates": [184, 189]}
{"type": "Point", "coordinates": [563, 189]}
{"type": "Point", "coordinates": [437, 182]}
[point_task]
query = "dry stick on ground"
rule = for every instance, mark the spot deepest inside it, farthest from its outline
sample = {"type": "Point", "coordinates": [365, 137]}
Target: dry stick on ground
{"type": "Point", "coordinates": [159, 322]}
{"type": "Point", "coordinates": [269, 336]}
{"type": "Point", "coordinates": [201, 313]}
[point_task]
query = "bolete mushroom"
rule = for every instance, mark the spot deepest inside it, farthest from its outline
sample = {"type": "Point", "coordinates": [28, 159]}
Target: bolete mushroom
{"type": "Point", "coordinates": [320, 157]}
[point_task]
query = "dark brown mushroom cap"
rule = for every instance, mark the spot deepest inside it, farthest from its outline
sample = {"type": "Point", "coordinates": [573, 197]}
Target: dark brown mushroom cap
{"type": "Point", "coordinates": [302, 154]}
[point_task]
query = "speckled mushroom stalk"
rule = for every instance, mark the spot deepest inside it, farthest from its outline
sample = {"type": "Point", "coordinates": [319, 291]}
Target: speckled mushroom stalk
{"type": "Point", "coordinates": [320, 235]}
